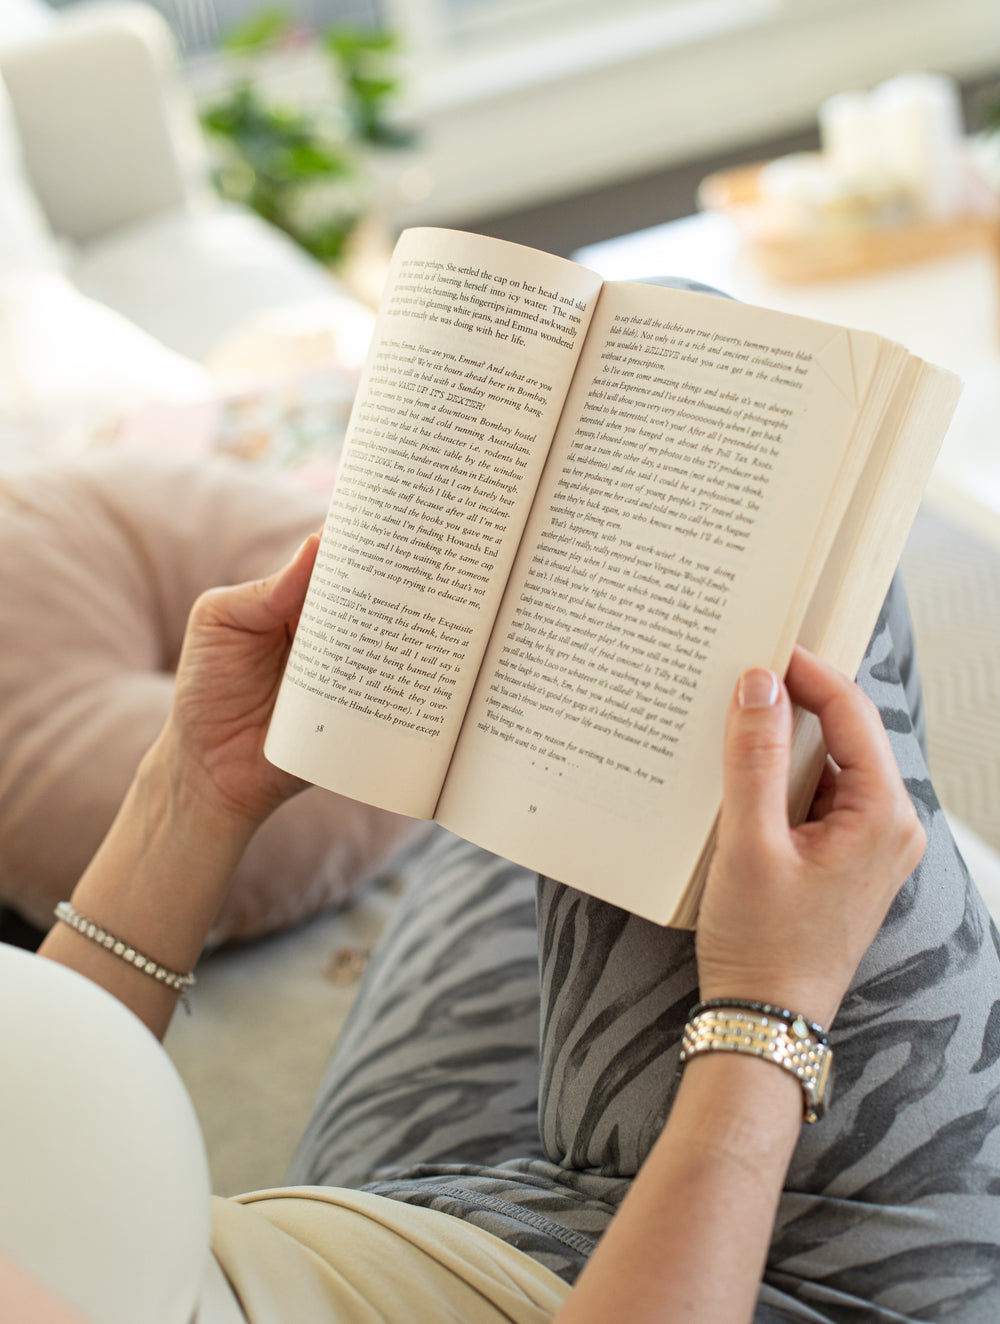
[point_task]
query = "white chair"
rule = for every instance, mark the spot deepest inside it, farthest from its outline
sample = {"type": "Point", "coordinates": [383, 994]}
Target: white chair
{"type": "Point", "coordinates": [106, 213]}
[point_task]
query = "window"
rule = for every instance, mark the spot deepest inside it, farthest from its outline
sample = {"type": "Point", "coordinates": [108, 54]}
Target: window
{"type": "Point", "coordinates": [199, 24]}
{"type": "Point", "coordinates": [467, 23]}
{"type": "Point", "coordinates": [471, 50]}
{"type": "Point", "coordinates": [445, 30]}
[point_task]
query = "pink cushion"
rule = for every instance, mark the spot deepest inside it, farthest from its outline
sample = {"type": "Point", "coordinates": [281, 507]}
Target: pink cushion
{"type": "Point", "coordinates": [101, 563]}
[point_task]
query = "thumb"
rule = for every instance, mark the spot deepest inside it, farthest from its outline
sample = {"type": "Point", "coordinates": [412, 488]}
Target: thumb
{"type": "Point", "coordinates": [259, 606]}
{"type": "Point", "coordinates": [287, 588]}
{"type": "Point", "coordinates": [757, 754]}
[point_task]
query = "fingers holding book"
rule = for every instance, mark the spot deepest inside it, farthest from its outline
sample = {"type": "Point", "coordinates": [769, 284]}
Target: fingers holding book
{"type": "Point", "coordinates": [788, 912]}
{"type": "Point", "coordinates": [235, 648]}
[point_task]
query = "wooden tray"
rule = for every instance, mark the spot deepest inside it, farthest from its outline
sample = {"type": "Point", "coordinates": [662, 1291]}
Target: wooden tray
{"type": "Point", "coordinates": [792, 256]}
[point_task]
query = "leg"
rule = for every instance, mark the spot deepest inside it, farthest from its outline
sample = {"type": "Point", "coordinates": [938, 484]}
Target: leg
{"type": "Point", "coordinates": [431, 1096]}
{"type": "Point", "coordinates": [891, 1208]}
{"type": "Point", "coordinates": [897, 1202]}
{"type": "Point", "coordinates": [439, 1057]}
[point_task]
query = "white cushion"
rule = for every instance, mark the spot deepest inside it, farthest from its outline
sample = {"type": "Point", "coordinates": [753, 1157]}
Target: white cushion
{"type": "Point", "coordinates": [25, 238]}
{"type": "Point", "coordinates": [105, 1180]}
{"type": "Point", "coordinates": [70, 370]}
{"type": "Point", "coordinates": [194, 278]}
{"type": "Point", "coordinates": [983, 862]}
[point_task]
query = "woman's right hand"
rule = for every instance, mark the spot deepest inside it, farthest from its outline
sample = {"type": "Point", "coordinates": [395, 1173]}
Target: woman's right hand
{"type": "Point", "coordinates": [788, 912]}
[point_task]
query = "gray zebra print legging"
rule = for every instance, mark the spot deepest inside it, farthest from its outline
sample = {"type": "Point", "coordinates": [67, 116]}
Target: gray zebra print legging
{"type": "Point", "coordinates": [891, 1209]}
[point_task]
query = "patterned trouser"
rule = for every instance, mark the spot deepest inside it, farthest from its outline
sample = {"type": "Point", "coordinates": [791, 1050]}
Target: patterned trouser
{"type": "Point", "coordinates": [891, 1209]}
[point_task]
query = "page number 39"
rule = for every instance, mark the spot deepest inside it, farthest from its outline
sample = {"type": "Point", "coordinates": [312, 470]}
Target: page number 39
{"type": "Point", "coordinates": [532, 809]}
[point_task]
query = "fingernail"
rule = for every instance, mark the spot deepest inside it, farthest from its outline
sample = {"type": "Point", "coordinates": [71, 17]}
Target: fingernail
{"type": "Point", "coordinates": [757, 689]}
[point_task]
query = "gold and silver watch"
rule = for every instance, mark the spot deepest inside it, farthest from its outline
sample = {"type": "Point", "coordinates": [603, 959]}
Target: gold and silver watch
{"type": "Point", "coordinates": [772, 1033]}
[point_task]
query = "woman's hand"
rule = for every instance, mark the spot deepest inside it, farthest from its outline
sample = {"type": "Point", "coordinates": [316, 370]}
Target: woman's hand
{"type": "Point", "coordinates": [789, 912]}
{"type": "Point", "coordinates": [234, 653]}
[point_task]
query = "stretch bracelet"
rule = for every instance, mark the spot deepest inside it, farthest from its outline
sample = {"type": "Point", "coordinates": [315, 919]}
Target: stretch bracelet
{"type": "Point", "coordinates": [117, 947]}
{"type": "Point", "coordinates": [773, 1035]}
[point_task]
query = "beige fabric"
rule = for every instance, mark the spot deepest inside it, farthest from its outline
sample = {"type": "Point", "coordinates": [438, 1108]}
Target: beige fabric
{"type": "Point", "coordinates": [101, 563]}
{"type": "Point", "coordinates": [318, 1255]}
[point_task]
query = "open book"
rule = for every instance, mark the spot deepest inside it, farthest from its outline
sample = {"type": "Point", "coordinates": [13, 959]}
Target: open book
{"type": "Point", "coordinates": [569, 513]}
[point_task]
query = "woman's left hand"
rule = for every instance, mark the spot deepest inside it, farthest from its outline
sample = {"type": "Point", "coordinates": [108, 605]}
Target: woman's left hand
{"type": "Point", "coordinates": [788, 912]}
{"type": "Point", "coordinates": [231, 664]}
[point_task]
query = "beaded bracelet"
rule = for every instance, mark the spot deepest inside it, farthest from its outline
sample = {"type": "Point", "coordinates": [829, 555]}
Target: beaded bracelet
{"type": "Point", "coordinates": [87, 928]}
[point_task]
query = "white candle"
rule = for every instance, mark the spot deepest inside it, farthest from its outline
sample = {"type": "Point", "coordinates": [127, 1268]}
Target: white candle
{"type": "Point", "coordinates": [849, 137]}
{"type": "Point", "coordinates": [919, 120]}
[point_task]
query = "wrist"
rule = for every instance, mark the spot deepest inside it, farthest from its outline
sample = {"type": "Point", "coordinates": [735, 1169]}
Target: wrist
{"type": "Point", "coordinates": [169, 853]}
{"type": "Point", "coordinates": [176, 788]}
{"type": "Point", "coordinates": [156, 884]}
{"type": "Point", "coordinates": [739, 1110]}
{"type": "Point", "coordinates": [810, 998]}
{"type": "Point", "coordinates": [771, 1033]}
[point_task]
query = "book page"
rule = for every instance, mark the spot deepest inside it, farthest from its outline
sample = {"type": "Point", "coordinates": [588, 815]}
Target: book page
{"type": "Point", "coordinates": [705, 458]}
{"type": "Point", "coordinates": [845, 605]}
{"type": "Point", "coordinates": [474, 349]}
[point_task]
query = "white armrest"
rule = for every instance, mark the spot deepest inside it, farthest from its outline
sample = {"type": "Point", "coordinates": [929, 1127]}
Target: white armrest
{"type": "Point", "coordinates": [108, 133]}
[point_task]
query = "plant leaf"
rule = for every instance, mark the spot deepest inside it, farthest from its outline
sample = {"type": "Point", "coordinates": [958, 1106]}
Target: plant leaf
{"type": "Point", "coordinates": [262, 30]}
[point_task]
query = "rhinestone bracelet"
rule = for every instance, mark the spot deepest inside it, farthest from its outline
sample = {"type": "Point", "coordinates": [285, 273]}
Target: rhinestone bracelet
{"type": "Point", "coordinates": [89, 929]}
{"type": "Point", "coordinates": [785, 1039]}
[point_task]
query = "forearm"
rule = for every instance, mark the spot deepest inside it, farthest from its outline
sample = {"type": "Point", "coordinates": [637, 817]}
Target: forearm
{"type": "Point", "coordinates": [156, 882]}
{"type": "Point", "coordinates": [690, 1241]}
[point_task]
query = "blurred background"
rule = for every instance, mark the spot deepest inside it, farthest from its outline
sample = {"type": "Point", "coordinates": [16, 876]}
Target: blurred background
{"type": "Point", "coordinates": [560, 122]}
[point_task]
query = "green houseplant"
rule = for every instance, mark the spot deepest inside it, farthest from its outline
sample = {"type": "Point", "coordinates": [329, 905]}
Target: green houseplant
{"type": "Point", "coordinates": [303, 164]}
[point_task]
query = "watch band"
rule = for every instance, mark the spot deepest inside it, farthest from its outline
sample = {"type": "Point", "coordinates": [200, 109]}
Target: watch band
{"type": "Point", "coordinates": [785, 1039]}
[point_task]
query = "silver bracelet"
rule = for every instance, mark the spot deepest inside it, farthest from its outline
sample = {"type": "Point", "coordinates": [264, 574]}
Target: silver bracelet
{"type": "Point", "coordinates": [89, 929]}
